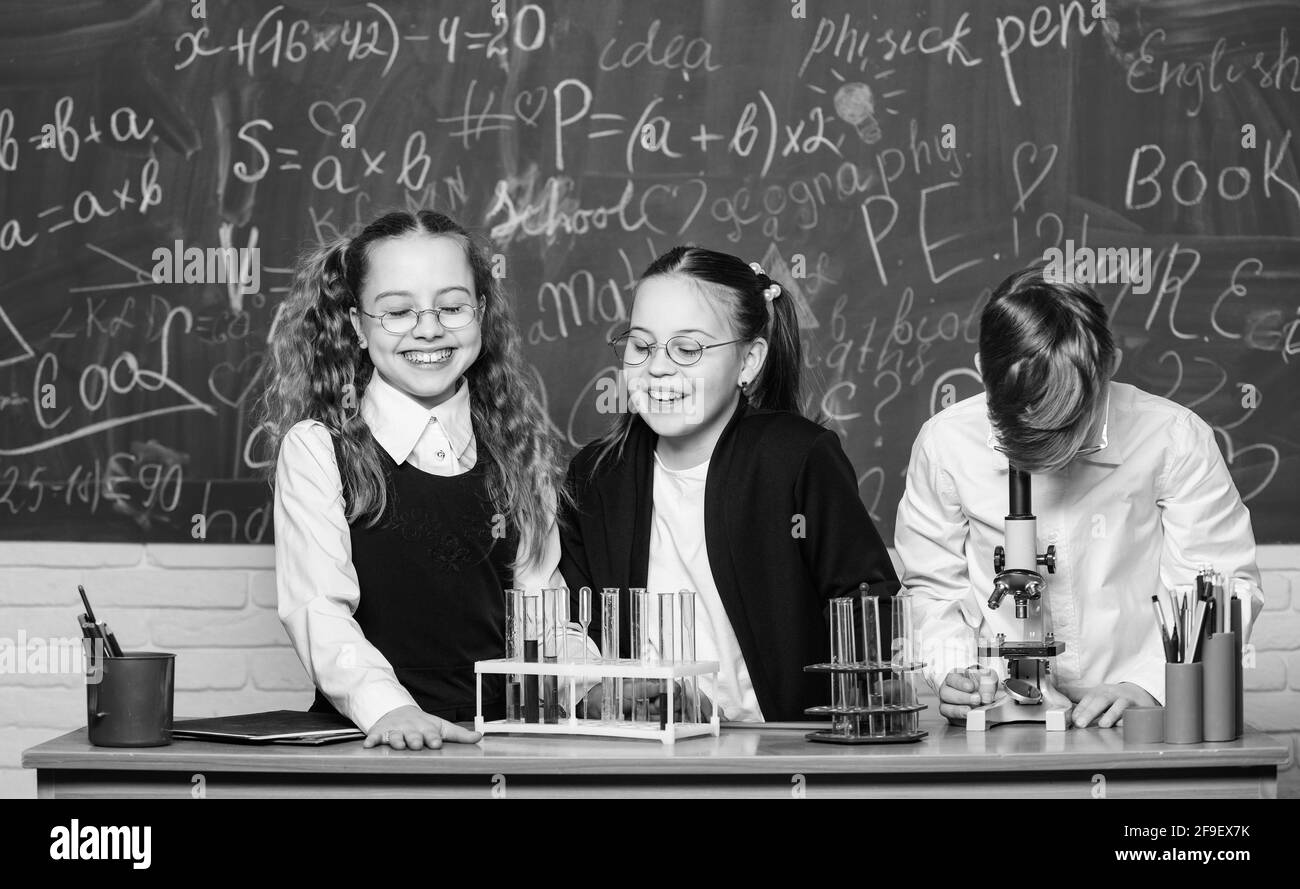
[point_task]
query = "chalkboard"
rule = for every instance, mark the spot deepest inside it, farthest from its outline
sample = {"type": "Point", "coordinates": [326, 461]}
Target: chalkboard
{"type": "Point", "coordinates": [891, 160]}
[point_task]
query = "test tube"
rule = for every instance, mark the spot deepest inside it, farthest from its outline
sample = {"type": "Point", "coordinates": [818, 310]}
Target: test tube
{"type": "Point", "coordinates": [584, 621]}
{"type": "Point", "coordinates": [611, 687]}
{"type": "Point", "coordinates": [555, 616]}
{"type": "Point", "coordinates": [641, 650]}
{"type": "Point", "coordinates": [844, 651]}
{"type": "Point", "coordinates": [905, 721]}
{"type": "Point", "coordinates": [667, 648]}
{"type": "Point", "coordinates": [686, 650]}
{"type": "Point", "coordinates": [514, 652]}
{"type": "Point", "coordinates": [532, 654]}
{"type": "Point", "coordinates": [873, 683]}
{"type": "Point", "coordinates": [988, 664]}
{"type": "Point", "coordinates": [903, 635]}
{"type": "Point", "coordinates": [902, 642]}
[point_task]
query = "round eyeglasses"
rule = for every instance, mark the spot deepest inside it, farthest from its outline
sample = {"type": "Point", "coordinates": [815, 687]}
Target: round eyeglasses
{"type": "Point", "coordinates": [632, 350]}
{"type": "Point", "coordinates": [405, 320]}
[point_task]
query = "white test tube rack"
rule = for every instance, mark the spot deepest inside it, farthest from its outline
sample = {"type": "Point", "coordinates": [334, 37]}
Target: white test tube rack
{"type": "Point", "coordinates": [593, 671]}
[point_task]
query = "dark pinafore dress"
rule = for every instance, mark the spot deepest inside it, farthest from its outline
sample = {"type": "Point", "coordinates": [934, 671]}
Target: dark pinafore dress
{"type": "Point", "coordinates": [433, 574]}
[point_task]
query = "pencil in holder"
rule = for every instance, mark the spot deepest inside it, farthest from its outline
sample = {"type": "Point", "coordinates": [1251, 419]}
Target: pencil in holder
{"type": "Point", "coordinates": [1183, 696]}
{"type": "Point", "coordinates": [1219, 686]}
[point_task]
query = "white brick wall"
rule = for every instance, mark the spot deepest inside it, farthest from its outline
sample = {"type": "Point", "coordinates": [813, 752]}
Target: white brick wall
{"type": "Point", "coordinates": [212, 605]}
{"type": "Point", "coordinates": [215, 607]}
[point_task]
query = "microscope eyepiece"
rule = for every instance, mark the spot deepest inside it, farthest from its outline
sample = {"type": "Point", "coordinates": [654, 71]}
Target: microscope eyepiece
{"type": "Point", "coordinates": [1000, 590]}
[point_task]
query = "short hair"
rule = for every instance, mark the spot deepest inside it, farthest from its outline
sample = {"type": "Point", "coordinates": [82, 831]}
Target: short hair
{"type": "Point", "coordinates": [1046, 355]}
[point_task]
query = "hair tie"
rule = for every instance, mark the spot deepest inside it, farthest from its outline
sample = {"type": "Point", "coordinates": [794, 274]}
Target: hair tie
{"type": "Point", "coordinates": [772, 289]}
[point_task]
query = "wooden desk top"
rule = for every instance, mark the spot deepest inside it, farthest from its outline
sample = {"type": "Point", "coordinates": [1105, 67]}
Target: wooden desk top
{"type": "Point", "coordinates": [767, 749]}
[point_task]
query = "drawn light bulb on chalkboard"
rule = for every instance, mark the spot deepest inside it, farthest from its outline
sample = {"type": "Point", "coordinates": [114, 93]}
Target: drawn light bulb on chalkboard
{"type": "Point", "coordinates": [856, 106]}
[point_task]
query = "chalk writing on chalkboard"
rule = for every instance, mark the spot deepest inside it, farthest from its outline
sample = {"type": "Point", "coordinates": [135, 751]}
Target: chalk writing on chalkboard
{"type": "Point", "coordinates": [889, 163]}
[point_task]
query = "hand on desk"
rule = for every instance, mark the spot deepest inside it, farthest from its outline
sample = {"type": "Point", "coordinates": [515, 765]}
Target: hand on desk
{"type": "Point", "coordinates": [410, 727]}
{"type": "Point", "coordinates": [639, 688]}
{"type": "Point", "coordinates": [1106, 701]}
{"type": "Point", "coordinates": [961, 691]}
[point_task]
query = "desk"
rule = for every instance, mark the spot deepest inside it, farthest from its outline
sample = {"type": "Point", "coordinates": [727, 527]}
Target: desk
{"type": "Point", "coordinates": [1008, 761]}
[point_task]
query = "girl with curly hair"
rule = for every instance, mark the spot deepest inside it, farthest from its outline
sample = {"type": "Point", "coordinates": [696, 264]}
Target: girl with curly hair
{"type": "Point", "coordinates": [415, 477]}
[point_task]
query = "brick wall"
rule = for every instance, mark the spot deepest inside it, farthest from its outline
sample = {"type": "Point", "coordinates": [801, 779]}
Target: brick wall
{"type": "Point", "coordinates": [215, 607]}
{"type": "Point", "coordinates": [212, 605]}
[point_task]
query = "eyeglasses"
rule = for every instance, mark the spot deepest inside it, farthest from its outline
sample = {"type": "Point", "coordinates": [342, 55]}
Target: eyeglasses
{"type": "Point", "coordinates": [405, 320]}
{"type": "Point", "coordinates": [1085, 451]}
{"type": "Point", "coordinates": [683, 350]}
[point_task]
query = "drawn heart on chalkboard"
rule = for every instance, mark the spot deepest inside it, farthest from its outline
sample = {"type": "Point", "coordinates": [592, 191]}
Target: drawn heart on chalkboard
{"type": "Point", "coordinates": [1032, 150]}
{"type": "Point", "coordinates": [317, 112]}
{"type": "Point", "coordinates": [525, 99]}
{"type": "Point", "coordinates": [681, 202]}
{"type": "Point", "coordinates": [1232, 455]}
{"type": "Point", "coordinates": [225, 375]}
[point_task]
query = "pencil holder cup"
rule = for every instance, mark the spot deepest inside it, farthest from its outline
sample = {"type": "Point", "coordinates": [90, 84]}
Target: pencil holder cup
{"type": "Point", "coordinates": [1144, 725]}
{"type": "Point", "coordinates": [1183, 692]}
{"type": "Point", "coordinates": [1219, 691]}
{"type": "Point", "coordinates": [129, 698]}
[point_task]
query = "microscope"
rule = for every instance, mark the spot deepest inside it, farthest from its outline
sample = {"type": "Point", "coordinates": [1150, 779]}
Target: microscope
{"type": "Point", "coordinates": [1031, 696]}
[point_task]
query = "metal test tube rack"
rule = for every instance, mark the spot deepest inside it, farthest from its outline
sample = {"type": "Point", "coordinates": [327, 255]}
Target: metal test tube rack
{"type": "Point", "coordinates": [873, 695]}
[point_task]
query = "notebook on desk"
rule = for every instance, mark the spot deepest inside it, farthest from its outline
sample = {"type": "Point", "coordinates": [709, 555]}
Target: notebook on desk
{"type": "Point", "coordinates": [271, 727]}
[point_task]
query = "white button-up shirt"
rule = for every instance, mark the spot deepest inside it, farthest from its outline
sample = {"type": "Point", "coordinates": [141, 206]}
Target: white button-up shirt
{"type": "Point", "coordinates": [439, 440]}
{"type": "Point", "coordinates": [315, 579]}
{"type": "Point", "coordinates": [1135, 518]}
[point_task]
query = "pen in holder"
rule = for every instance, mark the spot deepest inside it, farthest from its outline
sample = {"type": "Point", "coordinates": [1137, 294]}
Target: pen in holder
{"type": "Point", "coordinates": [1183, 698]}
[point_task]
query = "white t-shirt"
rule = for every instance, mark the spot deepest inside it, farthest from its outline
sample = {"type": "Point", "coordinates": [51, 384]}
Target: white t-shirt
{"type": "Point", "coordinates": [679, 559]}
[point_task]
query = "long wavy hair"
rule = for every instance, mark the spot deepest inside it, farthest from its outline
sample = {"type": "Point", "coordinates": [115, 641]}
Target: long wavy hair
{"type": "Point", "coordinates": [318, 371]}
{"type": "Point", "coordinates": [739, 288]}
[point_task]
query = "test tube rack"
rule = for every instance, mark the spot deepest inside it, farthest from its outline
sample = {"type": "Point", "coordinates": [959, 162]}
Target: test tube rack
{"type": "Point", "coordinates": [897, 722]}
{"type": "Point", "coordinates": [592, 671]}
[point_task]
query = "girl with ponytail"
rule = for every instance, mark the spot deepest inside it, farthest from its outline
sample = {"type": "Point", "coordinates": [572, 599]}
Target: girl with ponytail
{"type": "Point", "coordinates": [414, 479]}
{"type": "Point", "coordinates": [711, 481]}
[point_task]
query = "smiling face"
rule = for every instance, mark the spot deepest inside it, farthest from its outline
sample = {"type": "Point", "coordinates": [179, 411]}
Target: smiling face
{"type": "Point", "coordinates": [687, 406]}
{"type": "Point", "coordinates": [413, 273]}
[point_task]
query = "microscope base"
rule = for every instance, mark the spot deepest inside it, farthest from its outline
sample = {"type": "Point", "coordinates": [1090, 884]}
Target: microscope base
{"type": "Point", "coordinates": [1055, 719]}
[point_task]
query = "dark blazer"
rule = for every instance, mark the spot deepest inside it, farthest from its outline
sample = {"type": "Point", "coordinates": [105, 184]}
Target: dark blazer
{"type": "Point", "coordinates": [768, 469]}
